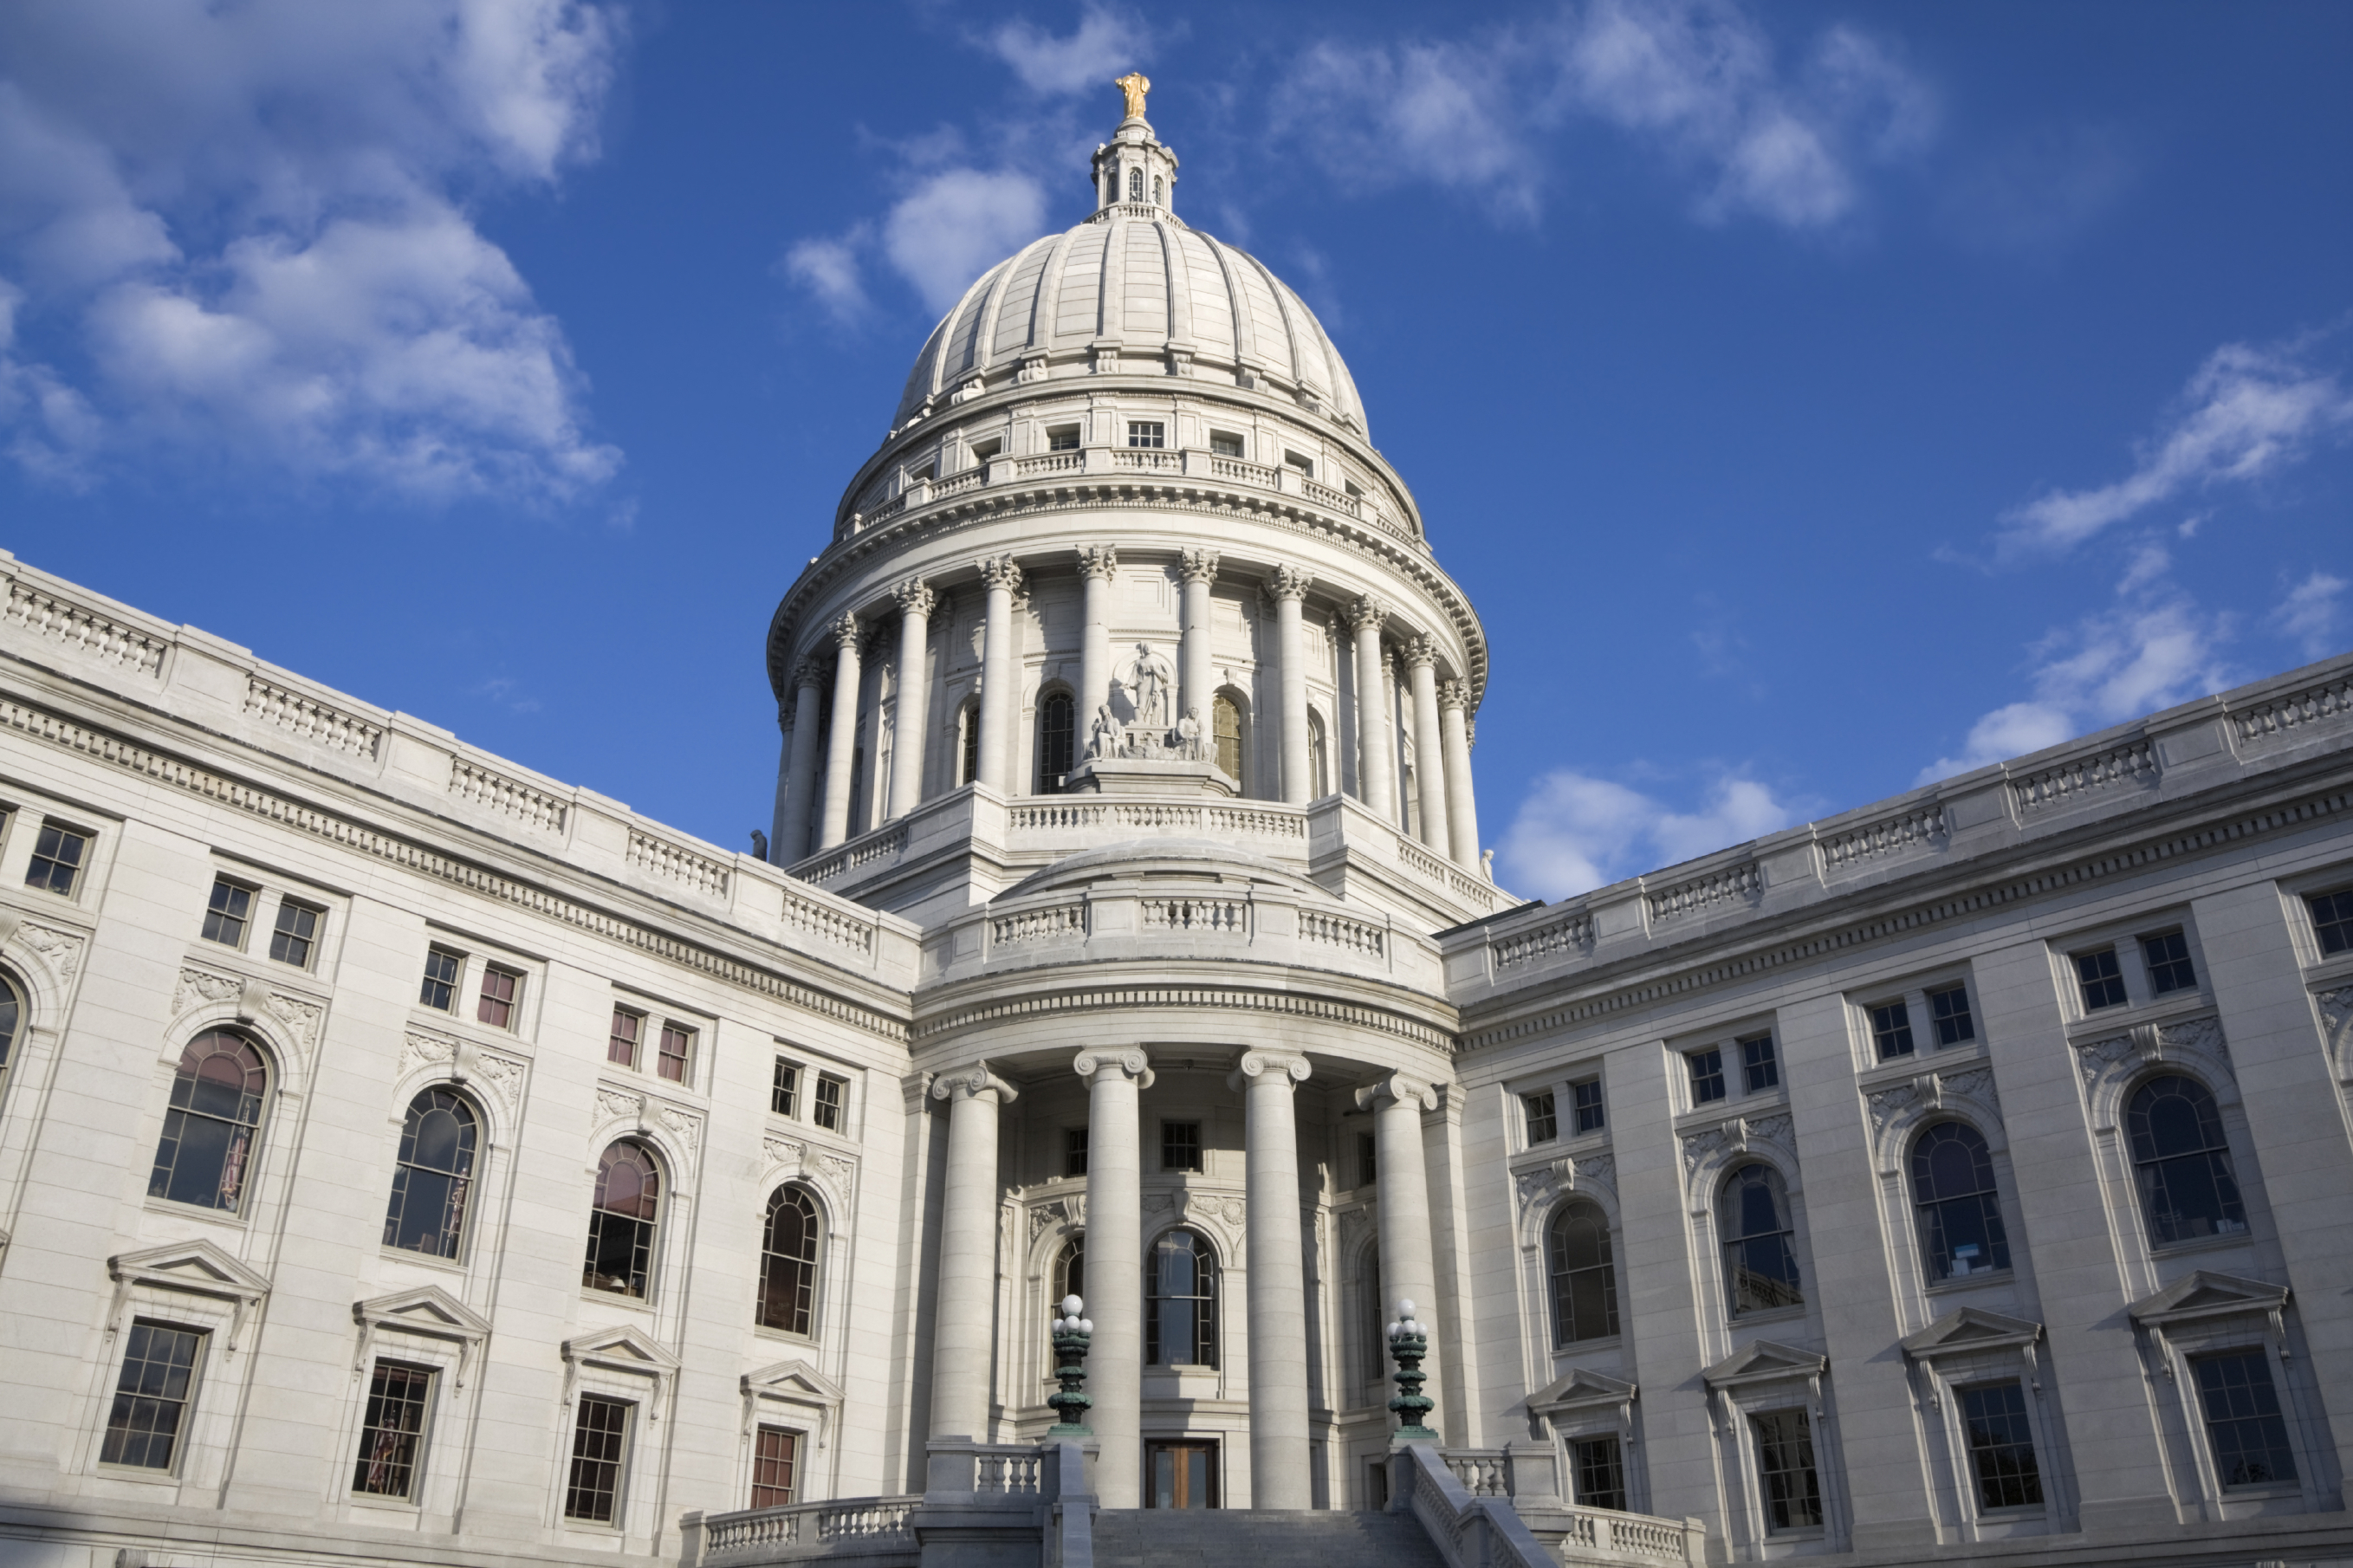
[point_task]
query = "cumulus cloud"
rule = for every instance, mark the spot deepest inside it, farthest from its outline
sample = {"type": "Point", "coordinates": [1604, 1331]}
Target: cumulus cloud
{"type": "Point", "coordinates": [2310, 614]}
{"type": "Point", "coordinates": [942, 234]}
{"type": "Point", "coordinates": [829, 270]}
{"type": "Point", "coordinates": [2246, 415]}
{"type": "Point", "coordinates": [243, 230]}
{"type": "Point", "coordinates": [1575, 831]}
{"type": "Point", "coordinates": [1108, 42]}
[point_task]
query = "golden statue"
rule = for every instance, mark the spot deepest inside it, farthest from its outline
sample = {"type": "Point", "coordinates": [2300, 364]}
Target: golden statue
{"type": "Point", "coordinates": [1136, 84]}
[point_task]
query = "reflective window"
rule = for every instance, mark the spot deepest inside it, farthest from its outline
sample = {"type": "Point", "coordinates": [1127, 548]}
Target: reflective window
{"type": "Point", "coordinates": [1057, 742]}
{"type": "Point", "coordinates": [1760, 1255]}
{"type": "Point", "coordinates": [1890, 1030]}
{"type": "Point", "coordinates": [1180, 1306]}
{"type": "Point", "coordinates": [500, 988]}
{"type": "Point", "coordinates": [1707, 1075]}
{"type": "Point", "coordinates": [1584, 1279]}
{"type": "Point", "coordinates": [206, 1150]}
{"type": "Point", "coordinates": [1147, 433]}
{"type": "Point", "coordinates": [788, 1263]}
{"type": "Point", "coordinates": [150, 1397]}
{"type": "Point", "coordinates": [1226, 730]}
{"type": "Point", "coordinates": [785, 1088]}
{"type": "Point", "coordinates": [969, 753]}
{"type": "Point", "coordinates": [1597, 1471]}
{"type": "Point", "coordinates": [57, 855]}
{"type": "Point", "coordinates": [1760, 1066]}
{"type": "Point", "coordinates": [621, 1226]}
{"type": "Point", "coordinates": [227, 912]}
{"type": "Point", "coordinates": [1785, 1470]}
{"type": "Point", "coordinates": [2183, 1163]}
{"type": "Point", "coordinates": [627, 1032]}
{"type": "Point", "coordinates": [439, 991]}
{"type": "Point", "coordinates": [392, 1431]}
{"type": "Point", "coordinates": [2169, 969]}
{"type": "Point", "coordinates": [2002, 1447]}
{"type": "Point", "coordinates": [1135, 185]}
{"type": "Point", "coordinates": [1070, 1270]}
{"type": "Point", "coordinates": [1319, 762]}
{"type": "Point", "coordinates": [832, 1094]}
{"type": "Point", "coordinates": [776, 1466]}
{"type": "Point", "coordinates": [1953, 1191]}
{"type": "Point", "coordinates": [434, 1176]}
{"type": "Point", "coordinates": [2332, 919]}
{"type": "Point", "coordinates": [1544, 1120]}
{"type": "Point", "coordinates": [2102, 982]}
{"type": "Point", "coordinates": [2243, 1424]}
{"type": "Point", "coordinates": [1074, 1154]}
{"type": "Point", "coordinates": [1585, 1104]}
{"type": "Point", "coordinates": [677, 1053]}
{"type": "Point", "coordinates": [296, 935]}
{"type": "Point", "coordinates": [1949, 1010]}
{"type": "Point", "coordinates": [1180, 1145]}
{"type": "Point", "coordinates": [600, 1435]}
{"type": "Point", "coordinates": [11, 1016]}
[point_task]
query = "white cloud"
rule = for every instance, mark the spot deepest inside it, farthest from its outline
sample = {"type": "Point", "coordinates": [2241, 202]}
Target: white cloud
{"type": "Point", "coordinates": [1575, 831]}
{"type": "Point", "coordinates": [828, 269]}
{"type": "Point", "coordinates": [1107, 43]}
{"type": "Point", "coordinates": [956, 223]}
{"type": "Point", "coordinates": [2309, 614]}
{"type": "Point", "coordinates": [2247, 414]}
{"type": "Point", "coordinates": [241, 230]}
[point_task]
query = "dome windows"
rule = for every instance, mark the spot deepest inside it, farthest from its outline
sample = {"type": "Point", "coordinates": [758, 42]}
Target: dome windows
{"type": "Point", "coordinates": [1135, 185]}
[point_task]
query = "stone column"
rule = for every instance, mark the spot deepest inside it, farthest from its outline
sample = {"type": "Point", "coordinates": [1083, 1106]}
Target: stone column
{"type": "Point", "coordinates": [792, 827]}
{"type": "Point", "coordinates": [1290, 587]}
{"type": "Point", "coordinates": [963, 1340]}
{"type": "Point", "coordinates": [1374, 741]}
{"type": "Point", "coordinates": [1428, 749]}
{"type": "Point", "coordinates": [1115, 1258]}
{"type": "Point", "coordinates": [1278, 1293]}
{"type": "Point", "coordinates": [998, 704]}
{"type": "Point", "coordinates": [1461, 810]}
{"type": "Point", "coordinates": [1409, 1268]}
{"type": "Point", "coordinates": [841, 742]}
{"type": "Point", "coordinates": [1194, 678]}
{"type": "Point", "coordinates": [1098, 568]}
{"type": "Point", "coordinates": [916, 600]}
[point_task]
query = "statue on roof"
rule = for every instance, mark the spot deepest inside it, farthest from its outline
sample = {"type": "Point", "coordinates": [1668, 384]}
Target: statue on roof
{"type": "Point", "coordinates": [1136, 84]}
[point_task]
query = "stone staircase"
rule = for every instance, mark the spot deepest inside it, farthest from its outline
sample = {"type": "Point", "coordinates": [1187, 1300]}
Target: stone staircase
{"type": "Point", "coordinates": [1251, 1537]}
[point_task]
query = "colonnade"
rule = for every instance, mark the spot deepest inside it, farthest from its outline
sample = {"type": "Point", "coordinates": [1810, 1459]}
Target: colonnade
{"type": "Point", "coordinates": [1434, 712]}
{"type": "Point", "coordinates": [1282, 1474]}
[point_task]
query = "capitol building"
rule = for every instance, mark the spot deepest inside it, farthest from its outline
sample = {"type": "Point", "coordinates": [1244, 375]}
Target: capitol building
{"type": "Point", "coordinates": [408, 1158]}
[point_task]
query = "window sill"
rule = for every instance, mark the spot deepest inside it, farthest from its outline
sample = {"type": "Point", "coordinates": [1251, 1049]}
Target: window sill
{"type": "Point", "coordinates": [785, 1336]}
{"type": "Point", "coordinates": [172, 1479]}
{"type": "Point", "coordinates": [2176, 1008]}
{"type": "Point", "coordinates": [429, 1260]}
{"type": "Point", "coordinates": [616, 1299]}
{"type": "Point", "coordinates": [1598, 1342]}
{"type": "Point", "coordinates": [1797, 1313]}
{"type": "Point", "coordinates": [229, 1217]}
{"type": "Point", "coordinates": [2202, 1244]}
{"type": "Point", "coordinates": [2334, 970]}
{"type": "Point", "coordinates": [1903, 1069]}
{"type": "Point", "coordinates": [1972, 1279]}
{"type": "Point", "coordinates": [406, 1507]}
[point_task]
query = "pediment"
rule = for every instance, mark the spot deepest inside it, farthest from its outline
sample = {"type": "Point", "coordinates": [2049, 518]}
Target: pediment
{"type": "Point", "coordinates": [429, 1310]}
{"type": "Point", "coordinates": [624, 1347]}
{"type": "Point", "coordinates": [197, 1265]}
{"type": "Point", "coordinates": [2205, 1293]}
{"type": "Point", "coordinates": [1969, 1329]}
{"type": "Point", "coordinates": [793, 1379]}
{"type": "Point", "coordinates": [1763, 1361]}
{"type": "Point", "coordinates": [1580, 1389]}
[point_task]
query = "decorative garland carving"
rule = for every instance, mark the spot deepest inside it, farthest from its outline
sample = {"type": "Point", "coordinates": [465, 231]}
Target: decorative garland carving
{"type": "Point", "coordinates": [2109, 1061]}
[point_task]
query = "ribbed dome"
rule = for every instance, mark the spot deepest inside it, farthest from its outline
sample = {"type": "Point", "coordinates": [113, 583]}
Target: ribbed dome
{"type": "Point", "coordinates": [1133, 281]}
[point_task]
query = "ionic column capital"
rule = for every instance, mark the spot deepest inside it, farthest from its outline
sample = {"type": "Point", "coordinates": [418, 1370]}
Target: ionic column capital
{"type": "Point", "coordinates": [1197, 566]}
{"type": "Point", "coordinates": [1132, 1064]}
{"type": "Point", "coordinates": [845, 633]}
{"type": "Point", "coordinates": [1276, 1065]}
{"type": "Point", "coordinates": [1367, 611]}
{"type": "Point", "coordinates": [1001, 571]}
{"type": "Point", "coordinates": [1396, 1089]}
{"type": "Point", "coordinates": [809, 672]}
{"type": "Point", "coordinates": [914, 597]}
{"type": "Point", "coordinates": [1290, 582]}
{"type": "Point", "coordinates": [1421, 651]}
{"type": "Point", "coordinates": [1453, 694]}
{"type": "Point", "coordinates": [970, 1083]}
{"type": "Point", "coordinates": [1100, 562]}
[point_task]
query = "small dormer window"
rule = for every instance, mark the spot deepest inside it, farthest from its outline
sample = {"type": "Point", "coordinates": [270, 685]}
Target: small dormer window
{"type": "Point", "coordinates": [1302, 463]}
{"type": "Point", "coordinates": [1135, 185]}
{"type": "Point", "coordinates": [1156, 197]}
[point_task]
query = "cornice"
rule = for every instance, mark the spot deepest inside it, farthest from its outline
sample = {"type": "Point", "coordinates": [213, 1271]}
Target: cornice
{"type": "Point", "coordinates": [1031, 1000]}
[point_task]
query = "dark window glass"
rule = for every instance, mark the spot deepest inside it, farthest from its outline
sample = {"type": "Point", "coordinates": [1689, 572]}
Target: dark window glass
{"type": "Point", "coordinates": [826, 1112]}
{"type": "Point", "coordinates": [628, 1030]}
{"type": "Point", "coordinates": [2169, 969]}
{"type": "Point", "coordinates": [1319, 757]}
{"type": "Point", "coordinates": [11, 1014]}
{"type": "Point", "coordinates": [2244, 1424]}
{"type": "Point", "coordinates": [1074, 1153]}
{"type": "Point", "coordinates": [1062, 438]}
{"type": "Point", "coordinates": [1585, 1104]}
{"type": "Point", "coordinates": [297, 933]}
{"type": "Point", "coordinates": [1760, 1255]}
{"type": "Point", "coordinates": [1707, 1075]}
{"type": "Point", "coordinates": [1597, 1470]}
{"type": "Point", "coordinates": [1785, 1468]}
{"type": "Point", "coordinates": [677, 1052]}
{"type": "Point", "coordinates": [2332, 919]}
{"type": "Point", "coordinates": [1543, 1124]}
{"type": "Point", "coordinates": [1890, 1030]}
{"type": "Point", "coordinates": [1071, 1271]}
{"type": "Point", "coordinates": [1368, 1159]}
{"type": "Point", "coordinates": [150, 1397]}
{"type": "Point", "coordinates": [1225, 732]}
{"type": "Point", "coordinates": [788, 1263]}
{"type": "Point", "coordinates": [57, 861]}
{"type": "Point", "coordinates": [225, 915]}
{"type": "Point", "coordinates": [441, 988]}
{"type": "Point", "coordinates": [1224, 446]}
{"type": "Point", "coordinates": [392, 1431]}
{"type": "Point", "coordinates": [433, 1176]}
{"type": "Point", "coordinates": [2002, 1447]}
{"type": "Point", "coordinates": [1135, 185]}
{"type": "Point", "coordinates": [621, 1226]}
{"type": "Point", "coordinates": [206, 1150]}
{"type": "Point", "coordinates": [1180, 1145]}
{"type": "Point", "coordinates": [1372, 1309]}
{"type": "Point", "coordinates": [1180, 1325]}
{"type": "Point", "coordinates": [1057, 743]}
{"type": "Point", "coordinates": [1584, 1281]}
{"type": "Point", "coordinates": [599, 1438]}
{"type": "Point", "coordinates": [785, 1088]}
{"type": "Point", "coordinates": [1758, 1064]}
{"type": "Point", "coordinates": [968, 761]}
{"type": "Point", "coordinates": [775, 1463]}
{"type": "Point", "coordinates": [1147, 433]}
{"type": "Point", "coordinates": [2183, 1162]}
{"type": "Point", "coordinates": [1949, 1010]}
{"type": "Point", "coordinates": [1301, 461]}
{"type": "Point", "coordinates": [2103, 983]}
{"type": "Point", "coordinates": [1953, 1191]}
{"type": "Point", "coordinates": [497, 1006]}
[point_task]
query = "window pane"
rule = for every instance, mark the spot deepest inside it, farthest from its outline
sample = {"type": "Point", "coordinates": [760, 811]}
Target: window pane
{"type": "Point", "coordinates": [776, 1460]}
{"type": "Point", "coordinates": [1075, 1151]}
{"type": "Point", "coordinates": [394, 1429]}
{"type": "Point", "coordinates": [150, 1397]}
{"type": "Point", "coordinates": [205, 1151]}
{"type": "Point", "coordinates": [1950, 1010]}
{"type": "Point", "coordinates": [2169, 968]}
{"type": "Point", "coordinates": [1707, 1075]}
{"type": "Point", "coordinates": [2332, 919]}
{"type": "Point", "coordinates": [1584, 1281]}
{"type": "Point", "coordinates": [2182, 1161]}
{"type": "Point", "coordinates": [621, 1226]}
{"type": "Point", "coordinates": [1180, 1306]}
{"type": "Point", "coordinates": [440, 987]}
{"type": "Point", "coordinates": [1759, 1063]}
{"type": "Point", "coordinates": [677, 1052]}
{"type": "Point", "coordinates": [599, 1438]}
{"type": "Point", "coordinates": [826, 1112]}
{"type": "Point", "coordinates": [1180, 1145]}
{"type": "Point", "coordinates": [784, 1089]}
{"type": "Point", "coordinates": [432, 1176]}
{"type": "Point", "coordinates": [1598, 1473]}
{"type": "Point", "coordinates": [225, 915]}
{"type": "Point", "coordinates": [1544, 1126]}
{"type": "Point", "coordinates": [1760, 1259]}
{"type": "Point", "coordinates": [1890, 1030]}
{"type": "Point", "coordinates": [57, 861]}
{"type": "Point", "coordinates": [2244, 1424]}
{"type": "Point", "coordinates": [1959, 1211]}
{"type": "Point", "coordinates": [297, 933]}
{"type": "Point", "coordinates": [789, 1257]}
{"type": "Point", "coordinates": [1586, 1101]}
{"type": "Point", "coordinates": [1785, 1468]}
{"type": "Point", "coordinates": [2102, 980]}
{"type": "Point", "coordinates": [621, 1045]}
{"type": "Point", "coordinates": [2002, 1447]}
{"type": "Point", "coordinates": [498, 1000]}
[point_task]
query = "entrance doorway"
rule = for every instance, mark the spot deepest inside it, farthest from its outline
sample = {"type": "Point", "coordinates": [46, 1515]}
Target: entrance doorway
{"type": "Point", "coordinates": [1181, 1475]}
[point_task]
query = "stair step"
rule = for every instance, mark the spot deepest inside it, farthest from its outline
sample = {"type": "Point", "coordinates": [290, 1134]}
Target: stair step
{"type": "Point", "coordinates": [1181, 1538]}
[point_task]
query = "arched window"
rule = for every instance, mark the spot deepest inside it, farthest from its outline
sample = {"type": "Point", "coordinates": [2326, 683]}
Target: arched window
{"type": "Point", "coordinates": [621, 1226]}
{"type": "Point", "coordinates": [1156, 197]}
{"type": "Point", "coordinates": [1584, 1279]}
{"type": "Point", "coordinates": [968, 743]}
{"type": "Point", "coordinates": [788, 1263]}
{"type": "Point", "coordinates": [2183, 1163]}
{"type": "Point", "coordinates": [1135, 185]}
{"type": "Point", "coordinates": [1960, 1215]}
{"type": "Point", "coordinates": [1057, 742]}
{"type": "Point", "coordinates": [1071, 1270]}
{"type": "Point", "coordinates": [433, 1176]}
{"type": "Point", "coordinates": [207, 1151]}
{"type": "Point", "coordinates": [1319, 758]}
{"type": "Point", "coordinates": [12, 1013]}
{"type": "Point", "coordinates": [1372, 1316]}
{"type": "Point", "coordinates": [1180, 1306]}
{"type": "Point", "coordinates": [1760, 1261]}
{"type": "Point", "coordinates": [1226, 734]}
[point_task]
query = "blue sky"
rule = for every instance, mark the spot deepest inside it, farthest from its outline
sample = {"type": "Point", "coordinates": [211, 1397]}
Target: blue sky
{"type": "Point", "coordinates": [1813, 398]}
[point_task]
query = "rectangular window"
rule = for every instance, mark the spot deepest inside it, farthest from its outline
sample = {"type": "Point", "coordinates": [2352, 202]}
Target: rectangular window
{"type": "Point", "coordinates": [677, 1052]}
{"type": "Point", "coordinates": [1180, 1145]}
{"type": "Point", "coordinates": [2103, 983]}
{"type": "Point", "coordinates": [56, 859]}
{"type": "Point", "coordinates": [297, 935]}
{"type": "Point", "coordinates": [2244, 1426]}
{"type": "Point", "coordinates": [1147, 433]}
{"type": "Point", "coordinates": [775, 1467]}
{"type": "Point", "coordinates": [1075, 1151]}
{"type": "Point", "coordinates": [2332, 919]}
{"type": "Point", "coordinates": [1585, 1104]}
{"type": "Point", "coordinates": [392, 1432]}
{"type": "Point", "coordinates": [1301, 462]}
{"type": "Point", "coordinates": [1949, 1010]}
{"type": "Point", "coordinates": [1544, 1126]}
{"type": "Point", "coordinates": [2168, 962]}
{"type": "Point", "coordinates": [1597, 1470]}
{"type": "Point", "coordinates": [1368, 1159]}
{"type": "Point", "coordinates": [1225, 444]}
{"type": "Point", "coordinates": [228, 912]}
{"type": "Point", "coordinates": [1890, 1030]}
{"type": "Point", "coordinates": [1706, 1075]}
{"type": "Point", "coordinates": [628, 1032]}
{"type": "Point", "coordinates": [599, 1440]}
{"type": "Point", "coordinates": [784, 1090]}
{"type": "Point", "coordinates": [1062, 437]}
{"type": "Point", "coordinates": [982, 452]}
{"type": "Point", "coordinates": [2002, 1447]}
{"type": "Point", "coordinates": [1785, 1470]}
{"type": "Point", "coordinates": [1758, 1065]}
{"type": "Point", "coordinates": [439, 991]}
{"type": "Point", "coordinates": [150, 1397]}
{"type": "Point", "coordinates": [831, 1092]}
{"type": "Point", "coordinates": [500, 989]}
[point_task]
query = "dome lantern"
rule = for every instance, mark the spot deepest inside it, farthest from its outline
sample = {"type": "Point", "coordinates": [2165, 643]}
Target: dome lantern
{"type": "Point", "coordinates": [1134, 171]}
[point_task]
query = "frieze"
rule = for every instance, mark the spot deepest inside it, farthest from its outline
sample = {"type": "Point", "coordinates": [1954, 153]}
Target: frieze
{"type": "Point", "coordinates": [683, 1125]}
{"type": "Point", "coordinates": [1736, 1136]}
{"type": "Point", "coordinates": [2198, 1037]}
{"type": "Point", "coordinates": [1893, 1104]}
{"type": "Point", "coordinates": [298, 1016]}
{"type": "Point", "coordinates": [617, 1105]}
{"type": "Point", "coordinates": [1061, 1211]}
{"type": "Point", "coordinates": [785, 1152]}
{"type": "Point", "coordinates": [61, 950]}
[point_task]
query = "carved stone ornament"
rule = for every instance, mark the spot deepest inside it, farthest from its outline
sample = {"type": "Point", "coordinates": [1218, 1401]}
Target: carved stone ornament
{"type": "Point", "coordinates": [1279, 1064]}
{"type": "Point", "coordinates": [914, 597]}
{"type": "Point", "coordinates": [1290, 582]}
{"type": "Point", "coordinates": [1398, 1090]}
{"type": "Point", "coordinates": [1706, 1150]}
{"type": "Point", "coordinates": [1538, 1188]}
{"type": "Point", "coordinates": [2106, 1062]}
{"type": "Point", "coordinates": [1231, 1211]}
{"type": "Point", "coordinates": [845, 635]}
{"type": "Point", "coordinates": [1420, 651]}
{"type": "Point", "coordinates": [2336, 1019]}
{"type": "Point", "coordinates": [1453, 694]}
{"type": "Point", "coordinates": [617, 1105]}
{"type": "Point", "coordinates": [1131, 1061]}
{"type": "Point", "coordinates": [1197, 566]}
{"type": "Point", "coordinates": [61, 950]}
{"type": "Point", "coordinates": [1100, 562]}
{"type": "Point", "coordinates": [253, 1000]}
{"type": "Point", "coordinates": [1070, 1211]}
{"type": "Point", "coordinates": [1367, 611]}
{"type": "Point", "coordinates": [784, 1151]}
{"type": "Point", "coordinates": [682, 1125]}
{"type": "Point", "coordinates": [841, 1173]}
{"type": "Point", "coordinates": [1896, 1107]}
{"type": "Point", "coordinates": [972, 1082]}
{"type": "Point", "coordinates": [1001, 571]}
{"type": "Point", "coordinates": [809, 675]}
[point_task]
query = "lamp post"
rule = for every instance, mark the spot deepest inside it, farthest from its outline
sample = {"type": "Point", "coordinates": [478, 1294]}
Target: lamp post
{"type": "Point", "coordinates": [1072, 1334]}
{"type": "Point", "coordinates": [1408, 1342]}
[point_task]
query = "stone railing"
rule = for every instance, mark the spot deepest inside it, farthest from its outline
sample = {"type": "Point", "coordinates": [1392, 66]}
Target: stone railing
{"type": "Point", "coordinates": [508, 798]}
{"type": "Point", "coordinates": [2282, 716]}
{"type": "Point", "coordinates": [78, 626]}
{"type": "Point", "coordinates": [851, 1527]}
{"type": "Point", "coordinates": [1572, 932]}
{"type": "Point", "coordinates": [1742, 881]}
{"type": "Point", "coordinates": [1147, 459]}
{"type": "Point", "coordinates": [1469, 1532]}
{"type": "Point", "coordinates": [1049, 463]}
{"type": "Point", "coordinates": [822, 920]}
{"type": "Point", "coordinates": [312, 720]}
{"type": "Point", "coordinates": [1010, 1469]}
{"type": "Point", "coordinates": [1216, 917]}
{"type": "Point", "coordinates": [2130, 764]}
{"type": "Point", "coordinates": [860, 851]}
{"type": "Point", "coordinates": [1889, 833]}
{"type": "Point", "coordinates": [1484, 1472]}
{"type": "Point", "coordinates": [1242, 473]}
{"type": "Point", "coordinates": [1317, 927]}
{"type": "Point", "coordinates": [677, 863]}
{"type": "Point", "coordinates": [1324, 495]}
{"type": "Point", "coordinates": [1057, 922]}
